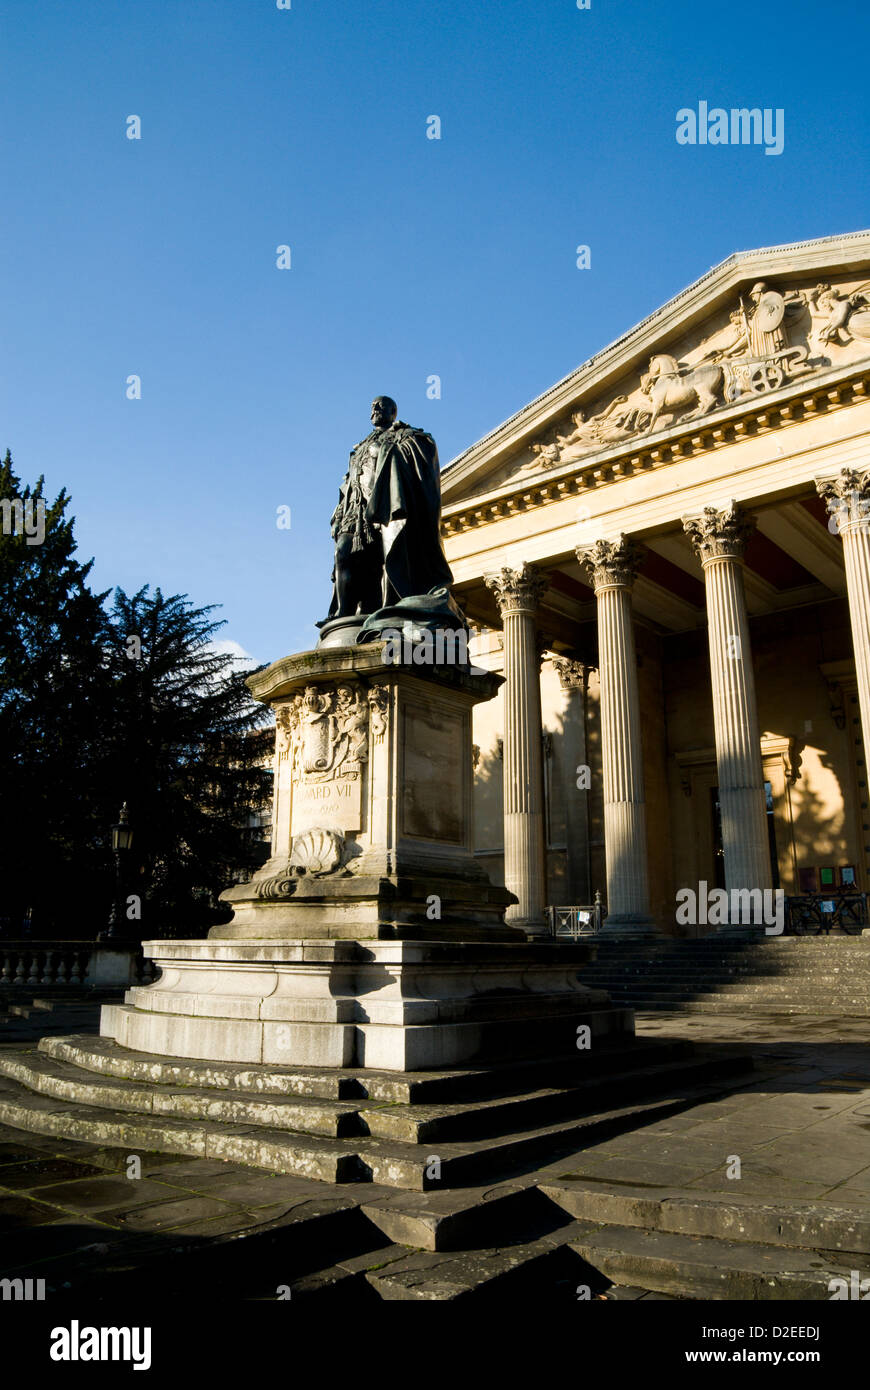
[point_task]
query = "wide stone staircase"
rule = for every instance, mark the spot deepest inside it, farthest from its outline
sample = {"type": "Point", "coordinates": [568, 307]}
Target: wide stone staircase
{"type": "Point", "coordinates": [431, 1185]}
{"type": "Point", "coordinates": [781, 975]}
{"type": "Point", "coordinates": [467, 1183]}
{"type": "Point", "coordinates": [415, 1131]}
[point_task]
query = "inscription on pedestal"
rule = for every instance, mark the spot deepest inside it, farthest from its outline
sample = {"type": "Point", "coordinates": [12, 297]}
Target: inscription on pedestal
{"type": "Point", "coordinates": [337, 804]}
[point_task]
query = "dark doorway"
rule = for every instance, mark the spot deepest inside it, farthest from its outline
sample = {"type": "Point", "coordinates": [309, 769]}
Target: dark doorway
{"type": "Point", "coordinates": [719, 853]}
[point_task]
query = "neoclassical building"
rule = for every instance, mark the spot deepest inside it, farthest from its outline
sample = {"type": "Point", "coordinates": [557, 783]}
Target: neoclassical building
{"type": "Point", "coordinates": [667, 557]}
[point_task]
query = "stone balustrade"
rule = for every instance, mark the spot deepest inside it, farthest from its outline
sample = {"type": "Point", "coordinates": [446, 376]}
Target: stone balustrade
{"type": "Point", "coordinates": [80, 964]}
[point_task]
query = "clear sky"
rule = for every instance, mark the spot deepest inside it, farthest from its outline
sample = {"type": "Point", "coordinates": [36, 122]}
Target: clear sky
{"type": "Point", "coordinates": [410, 257]}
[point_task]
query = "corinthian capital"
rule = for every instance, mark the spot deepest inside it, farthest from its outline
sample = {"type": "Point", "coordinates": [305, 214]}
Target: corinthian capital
{"type": "Point", "coordinates": [612, 564]}
{"type": "Point", "coordinates": [572, 674]}
{"type": "Point", "coordinates": [847, 495]}
{"type": "Point", "coordinates": [517, 591]}
{"type": "Point", "coordinates": [719, 534]}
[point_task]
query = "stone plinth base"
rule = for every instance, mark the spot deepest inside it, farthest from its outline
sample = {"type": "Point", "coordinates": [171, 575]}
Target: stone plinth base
{"type": "Point", "coordinates": [394, 1005]}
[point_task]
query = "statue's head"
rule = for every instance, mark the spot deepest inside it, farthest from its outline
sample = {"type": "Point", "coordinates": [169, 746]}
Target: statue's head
{"type": "Point", "coordinates": [384, 412]}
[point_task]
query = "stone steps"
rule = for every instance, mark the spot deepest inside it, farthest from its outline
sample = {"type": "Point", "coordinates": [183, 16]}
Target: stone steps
{"type": "Point", "coordinates": [104, 1056]}
{"type": "Point", "coordinates": [48, 1077]}
{"type": "Point", "coordinates": [691, 1004]}
{"type": "Point", "coordinates": [816, 1225]}
{"type": "Point", "coordinates": [703, 1267]}
{"type": "Point", "coordinates": [803, 993]}
{"type": "Point", "coordinates": [793, 975]}
{"type": "Point", "coordinates": [537, 1269]}
{"type": "Point", "coordinates": [39, 1092]}
{"type": "Point", "coordinates": [410, 1122]}
{"type": "Point", "coordinates": [737, 974]}
{"type": "Point", "coordinates": [68, 1010]}
{"type": "Point", "coordinates": [583, 1261]}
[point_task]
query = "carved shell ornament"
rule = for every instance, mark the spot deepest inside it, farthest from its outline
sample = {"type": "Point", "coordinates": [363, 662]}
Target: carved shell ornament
{"type": "Point", "coordinates": [317, 851]}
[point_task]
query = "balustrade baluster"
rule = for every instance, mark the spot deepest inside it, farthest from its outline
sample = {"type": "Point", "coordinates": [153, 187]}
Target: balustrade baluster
{"type": "Point", "coordinates": [47, 974]}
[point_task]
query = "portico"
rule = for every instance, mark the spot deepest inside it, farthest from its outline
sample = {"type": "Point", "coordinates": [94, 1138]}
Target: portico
{"type": "Point", "coordinates": [667, 557]}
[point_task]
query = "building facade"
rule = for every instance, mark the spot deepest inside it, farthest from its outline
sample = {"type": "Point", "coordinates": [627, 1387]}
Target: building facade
{"type": "Point", "coordinates": [667, 556]}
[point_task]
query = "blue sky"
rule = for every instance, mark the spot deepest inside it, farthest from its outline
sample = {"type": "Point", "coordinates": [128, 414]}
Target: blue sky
{"type": "Point", "coordinates": [410, 257]}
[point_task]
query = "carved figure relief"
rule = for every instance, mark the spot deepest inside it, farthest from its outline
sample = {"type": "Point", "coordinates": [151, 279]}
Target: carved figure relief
{"type": "Point", "coordinates": [754, 353]}
{"type": "Point", "coordinates": [325, 733]}
{"type": "Point", "coordinates": [379, 700]}
{"type": "Point", "coordinates": [847, 316]}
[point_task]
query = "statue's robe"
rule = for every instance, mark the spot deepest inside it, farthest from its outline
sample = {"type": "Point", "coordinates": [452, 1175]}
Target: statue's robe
{"type": "Point", "coordinates": [402, 518]}
{"type": "Point", "coordinates": [406, 500]}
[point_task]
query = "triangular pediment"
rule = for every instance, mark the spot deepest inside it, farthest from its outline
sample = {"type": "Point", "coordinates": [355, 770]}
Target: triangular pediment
{"type": "Point", "coordinates": [761, 322]}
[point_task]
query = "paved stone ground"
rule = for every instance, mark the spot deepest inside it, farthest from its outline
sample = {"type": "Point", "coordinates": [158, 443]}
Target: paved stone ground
{"type": "Point", "coordinates": [70, 1214]}
{"type": "Point", "coordinates": [802, 1131]}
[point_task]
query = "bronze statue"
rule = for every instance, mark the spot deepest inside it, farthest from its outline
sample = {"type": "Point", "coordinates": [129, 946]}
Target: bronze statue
{"type": "Point", "coordinates": [387, 525]}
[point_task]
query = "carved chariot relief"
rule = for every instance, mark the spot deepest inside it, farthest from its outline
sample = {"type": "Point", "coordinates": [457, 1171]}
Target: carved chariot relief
{"type": "Point", "coordinates": [770, 338]}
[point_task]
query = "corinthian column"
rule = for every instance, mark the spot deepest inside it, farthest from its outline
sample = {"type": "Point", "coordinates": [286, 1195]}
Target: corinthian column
{"type": "Point", "coordinates": [719, 539]}
{"type": "Point", "coordinates": [518, 593]}
{"type": "Point", "coordinates": [848, 499]}
{"type": "Point", "coordinates": [613, 566]}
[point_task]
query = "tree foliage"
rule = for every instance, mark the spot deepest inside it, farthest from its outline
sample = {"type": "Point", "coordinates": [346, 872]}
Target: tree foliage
{"type": "Point", "coordinates": [90, 719]}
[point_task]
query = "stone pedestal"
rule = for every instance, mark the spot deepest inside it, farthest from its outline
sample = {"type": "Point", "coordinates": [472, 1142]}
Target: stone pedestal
{"type": "Point", "coordinates": [372, 937]}
{"type": "Point", "coordinates": [372, 823]}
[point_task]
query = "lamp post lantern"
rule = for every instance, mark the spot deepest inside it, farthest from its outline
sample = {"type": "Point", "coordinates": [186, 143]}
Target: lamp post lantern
{"type": "Point", "coordinates": [122, 842]}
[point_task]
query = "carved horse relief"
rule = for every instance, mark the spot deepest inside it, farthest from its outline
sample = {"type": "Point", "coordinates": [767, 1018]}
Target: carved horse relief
{"type": "Point", "coordinates": [672, 388]}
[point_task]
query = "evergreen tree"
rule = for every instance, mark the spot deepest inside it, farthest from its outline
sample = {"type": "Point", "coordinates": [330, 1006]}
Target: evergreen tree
{"type": "Point", "coordinates": [99, 709]}
{"type": "Point", "coordinates": [52, 717]}
{"type": "Point", "coordinates": [185, 757]}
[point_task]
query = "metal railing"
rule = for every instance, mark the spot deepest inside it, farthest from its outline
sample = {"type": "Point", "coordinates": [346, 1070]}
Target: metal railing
{"type": "Point", "coordinates": [817, 914]}
{"type": "Point", "coordinates": [585, 919]}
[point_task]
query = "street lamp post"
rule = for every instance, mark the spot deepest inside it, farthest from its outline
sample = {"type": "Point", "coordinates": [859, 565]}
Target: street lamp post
{"type": "Point", "coordinates": [122, 841]}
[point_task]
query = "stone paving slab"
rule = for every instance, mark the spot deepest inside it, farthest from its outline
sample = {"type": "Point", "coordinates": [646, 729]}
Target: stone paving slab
{"type": "Point", "coordinates": [800, 1128]}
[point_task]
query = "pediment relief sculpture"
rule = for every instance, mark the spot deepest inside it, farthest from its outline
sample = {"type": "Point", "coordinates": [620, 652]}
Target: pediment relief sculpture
{"type": "Point", "coordinates": [770, 338]}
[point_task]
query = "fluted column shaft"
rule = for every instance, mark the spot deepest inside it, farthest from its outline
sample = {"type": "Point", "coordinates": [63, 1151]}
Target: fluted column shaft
{"type": "Point", "coordinates": [719, 539]}
{"type": "Point", "coordinates": [848, 499]}
{"type": "Point", "coordinates": [613, 565]}
{"type": "Point", "coordinates": [573, 678]}
{"type": "Point", "coordinates": [518, 593]}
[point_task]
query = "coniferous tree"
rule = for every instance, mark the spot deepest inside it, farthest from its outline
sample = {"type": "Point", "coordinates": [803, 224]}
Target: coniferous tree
{"type": "Point", "coordinates": [185, 757]}
{"type": "Point", "coordinates": [99, 709]}
{"type": "Point", "coordinates": [53, 712]}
